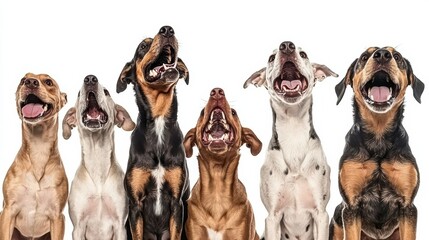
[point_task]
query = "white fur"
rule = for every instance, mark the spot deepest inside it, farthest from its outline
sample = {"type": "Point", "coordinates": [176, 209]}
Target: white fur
{"type": "Point", "coordinates": [295, 180]}
{"type": "Point", "coordinates": [213, 235]}
{"type": "Point", "coordinates": [158, 175]}
{"type": "Point", "coordinates": [159, 129]}
{"type": "Point", "coordinates": [97, 202]}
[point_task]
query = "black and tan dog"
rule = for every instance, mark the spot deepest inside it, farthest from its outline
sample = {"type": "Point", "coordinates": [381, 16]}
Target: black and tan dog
{"type": "Point", "coordinates": [378, 174]}
{"type": "Point", "coordinates": [156, 179]}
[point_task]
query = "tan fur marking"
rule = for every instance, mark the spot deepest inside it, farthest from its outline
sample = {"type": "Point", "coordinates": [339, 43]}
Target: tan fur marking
{"type": "Point", "coordinates": [407, 230]}
{"type": "Point", "coordinates": [137, 233]}
{"type": "Point", "coordinates": [338, 232]}
{"type": "Point", "coordinates": [353, 231]}
{"type": "Point", "coordinates": [403, 176]}
{"type": "Point", "coordinates": [174, 232]}
{"type": "Point", "coordinates": [174, 178]}
{"type": "Point", "coordinates": [138, 179]}
{"type": "Point", "coordinates": [354, 176]}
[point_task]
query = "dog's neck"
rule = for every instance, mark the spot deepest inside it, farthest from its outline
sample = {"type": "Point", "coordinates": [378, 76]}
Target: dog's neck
{"type": "Point", "coordinates": [40, 144]}
{"type": "Point", "coordinates": [378, 123]}
{"type": "Point", "coordinates": [98, 153]}
{"type": "Point", "coordinates": [219, 175]}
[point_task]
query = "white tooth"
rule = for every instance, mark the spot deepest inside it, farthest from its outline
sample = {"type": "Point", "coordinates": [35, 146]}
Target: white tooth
{"type": "Point", "coordinates": [211, 116]}
{"type": "Point", "coordinates": [210, 137]}
{"type": "Point", "coordinates": [223, 116]}
{"type": "Point", "coordinates": [45, 108]}
{"type": "Point", "coordinates": [152, 73]}
{"type": "Point", "coordinates": [371, 97]}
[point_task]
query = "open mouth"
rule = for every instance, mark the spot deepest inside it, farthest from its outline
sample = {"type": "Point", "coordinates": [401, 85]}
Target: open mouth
{"type": "Point", "coordinates": [291, 83]}
{"type": "Point", "coordinates": [33, 107]}
{"type": "Point", "coordinates": [380, 90]}
{"type": "Point", "coordinates": [93, 116]}
{"type": "Point", "coordinates": [217, 133]}
{"type": "Point", "coordinates": [166, 60]}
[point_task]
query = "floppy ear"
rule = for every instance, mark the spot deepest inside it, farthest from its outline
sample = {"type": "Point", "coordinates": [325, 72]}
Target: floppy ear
{"type": "Point", "coordinates": [251, 140]}
{"type": "Point", "coordinates": [127, 75]}
{"type": "Point", "coordinates": [417, 85]}
{"type": "Point", "coordinates": [321, 72]}
{"type": "Point", "coordinates": [69, 122]}
{"type": "Point", "coordinates": [63, 99]}
{"type": "Point", "coordinates": [183, 70]}
{"type": "Point", "coordinates": [123, 119]}
{"type": "Point", "coordinates": [340, 88]}
{"type": "Point", "coordinates": [258, 79]}
{"type": "Point", "coordinates": [189, 142]}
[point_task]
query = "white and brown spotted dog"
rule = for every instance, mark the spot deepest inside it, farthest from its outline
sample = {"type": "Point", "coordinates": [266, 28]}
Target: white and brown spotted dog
{"type": "Point", "coordinates": [35, 188]}
{"type": "Point", "coordinates": [98, 204]}
{"type": "Point", "coordinates": [295, 177]}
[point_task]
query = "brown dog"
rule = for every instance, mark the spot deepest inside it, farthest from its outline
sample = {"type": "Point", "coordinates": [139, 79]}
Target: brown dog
{"type": "Point", "coordinates": [378, 174]}
{"type": "Point", "coordinates": [35, 188]}
{"type": "Point", "coordinates": [218, 207]}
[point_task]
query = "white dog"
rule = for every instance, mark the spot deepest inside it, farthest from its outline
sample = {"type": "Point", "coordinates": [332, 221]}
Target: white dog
{"type": "Point", "coordinates": [295, 177]}
{"type": "Point", "coordinates": [97, 204]}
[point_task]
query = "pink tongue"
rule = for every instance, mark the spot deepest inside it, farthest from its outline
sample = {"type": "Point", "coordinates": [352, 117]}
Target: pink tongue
{"type": "Point", "coordinates": [380, 94]}
{"type": "Point", "coordinates": [93, 113]}
{"type": "Point", "coordinates": [291, 84]}
{"type": "Point", "coordinates": [32, 110]}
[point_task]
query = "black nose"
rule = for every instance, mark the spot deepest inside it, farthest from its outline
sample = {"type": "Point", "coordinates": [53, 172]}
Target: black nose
{"type": "Point", "coordinates": [31, 83]}
{"type": "Point", "coordinates": [287, 47]}
{"type": "Point", "coordinates": [90, 80]}
{"type": "Point", "coordinates": [382, 56]}
{"type": "Point", "coordinates": [166, 31]}
{"type": "Point", "coordinates": [217, 93]}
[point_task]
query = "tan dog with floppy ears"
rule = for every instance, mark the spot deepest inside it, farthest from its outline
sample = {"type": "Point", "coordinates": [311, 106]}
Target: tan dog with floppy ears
{"type": "Point", "coordinates": [35, 188]}
{"type": "Point", "coordinates": [218, 207]}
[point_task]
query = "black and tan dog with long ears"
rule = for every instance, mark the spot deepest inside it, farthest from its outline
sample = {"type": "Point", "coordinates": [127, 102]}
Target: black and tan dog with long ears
{"type": "Point", "coordinates": [156, 179]}
{"type": "Point", "coordinates": [378, 174]}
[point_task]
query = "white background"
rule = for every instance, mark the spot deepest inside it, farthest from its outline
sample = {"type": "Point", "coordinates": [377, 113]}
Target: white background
{"type": "Point", "coordinates": [222, 43]}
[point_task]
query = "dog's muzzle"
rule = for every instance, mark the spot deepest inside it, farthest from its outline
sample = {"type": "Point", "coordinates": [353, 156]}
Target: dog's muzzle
{"type": "Point", "coordinates": [290, 83]}
{"type": "Point", "coordinates": [33, 108]}
{"type": "Point", "coordinates": [93, 116]}
{"type": "Point", "coordinates": [380, 91]}
{"type": "Point", "coordinates": [217, 132]}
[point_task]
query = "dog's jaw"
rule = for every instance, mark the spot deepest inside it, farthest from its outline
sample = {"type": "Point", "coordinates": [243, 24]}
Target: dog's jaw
{"type": "Point", "coordinates": [290, 78]}
{"type": "Point", "coordinates": [93, 101]}
{"type": "Point", "coordinates": [33, 109]}
{"type": "Point", "coordinates": [217, 134]}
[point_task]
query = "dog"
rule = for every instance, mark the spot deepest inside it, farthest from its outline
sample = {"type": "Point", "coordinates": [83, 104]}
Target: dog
{"type": "Point", "coordinates": [35, 188]}
{"type": "Point", "coordinates": [156, 179]}
{"type": "Point", "coordinates": [295, 177]}
{"type": "Point", "coordinates": [98, 204]}
{"type": "Point", "coordinates": [378, 174]}
{"type": "Point", "coordinates": [218, 207]}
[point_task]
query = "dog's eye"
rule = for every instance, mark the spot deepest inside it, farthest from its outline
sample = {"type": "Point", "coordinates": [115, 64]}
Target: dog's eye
{"type": "Point", "coordinates": [233, 112]}
{"type": "Point", "coordinates": [364, 57]}
{"type": "Point", "coordinates": [106, 92]}
{"type": "Point", "coordinates": [49, 82]}
{"type": "Point", "coordinates": [286, 235]}
{"type": "Point", "coordinates": [303, 54]}
{"type": "Point", "coordinates": [22, 81]}
{"type": "Point", "coordinates": [78, 94]}
{"type": "Point", "coordinates": [202, 112]}
{"type": "Point", "coordinates": [143, 46]}
{"type": "Point", "coordinates": [397, 56]}
{"type": "Point", "coordinates": [271, 58]}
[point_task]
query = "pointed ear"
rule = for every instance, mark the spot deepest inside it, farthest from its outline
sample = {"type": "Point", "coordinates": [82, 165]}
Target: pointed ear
{"type": "Point", "coordinates": [417, 85]}
{"type": "Point", "coordinates": [251, 140]}
{"type": "Point", "coordinates": [127, 75]}
{"type": "Point", "coordinates": [183, 70]}
{"type": "Point", "coordinates": [63, 99]}
{"type": "Point", "coordinates": [258, 79]}
{"type": "Point", "coordinates": [340, 88]}
{"type": "Point", "coordinates": [69, 122]}
{"type": "Point", "coordinates": [189, 142]}
{"type": "Point", "coordinates": [123, 119]}
{"type": "Point", "coordinates": [321, 72]}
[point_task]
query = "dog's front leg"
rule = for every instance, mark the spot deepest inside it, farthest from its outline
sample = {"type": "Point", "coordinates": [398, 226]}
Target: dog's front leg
{"type": "Point", "coordinates": [136, 222]}
{"type": "Point", "coordinates": [408, 223]}
{"type": "Point", "coordinates": [176, 220]}
{"type": "Point", "coordinates": [6, 224]}
{"type": "Point", "coordinates": [352, 223]}
{"type": "Point", "coordinates": [321, 224]}
{"type": "Point", "coordinates": [57, 227]}
{"type": "Point", "coordinates": [272, 226]}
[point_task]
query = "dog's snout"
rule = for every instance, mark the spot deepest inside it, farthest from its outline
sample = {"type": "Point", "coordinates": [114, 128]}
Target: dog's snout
{"type": "Point", "coordinates": [166, 31]}
{"type": "Point", "coordinates": [217, 93]}
{"type": "Point", "coordinates": [382, 56]}
{"type": "Point", "coordinates": [287, 47]}
{"type": "Point", "coordinates": [31, 83]}
{"type": "Point", "coordinates": [90, 80]}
